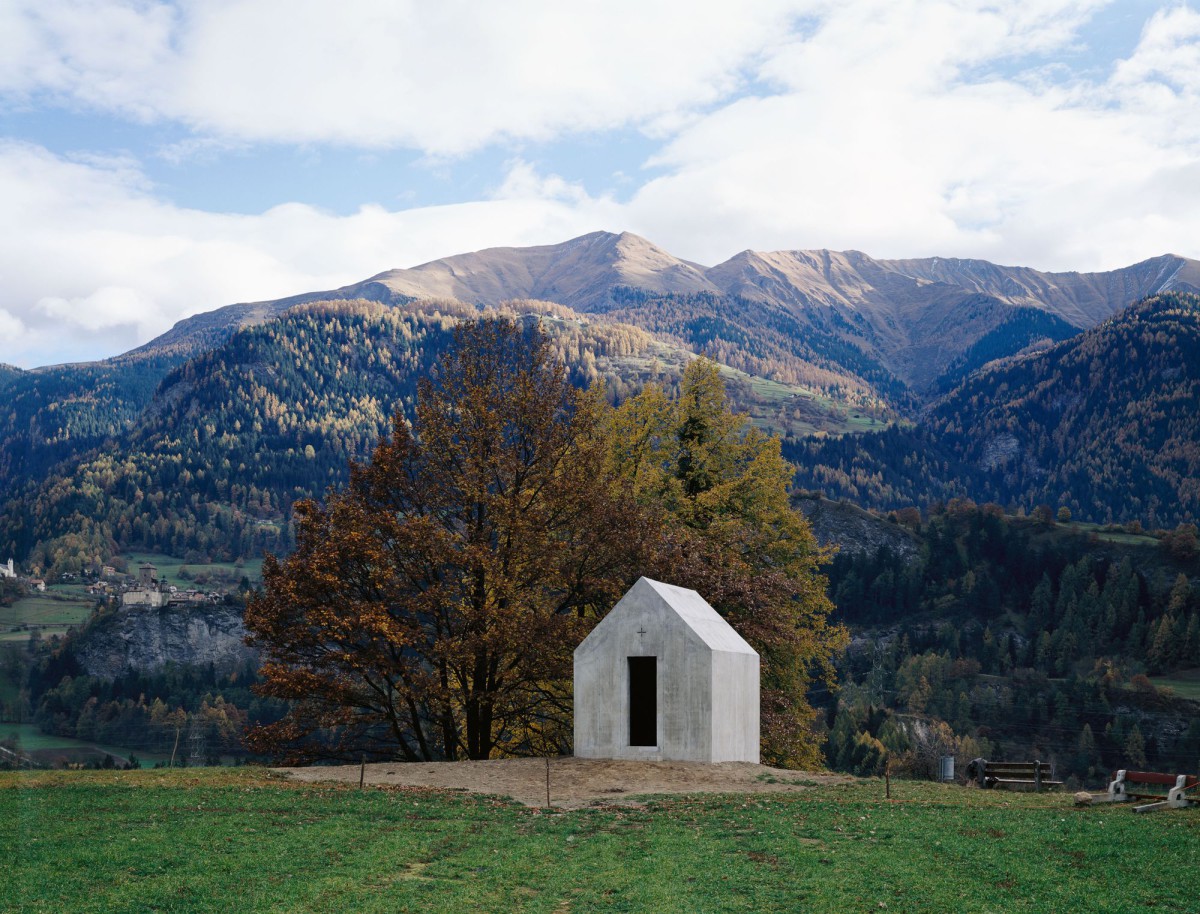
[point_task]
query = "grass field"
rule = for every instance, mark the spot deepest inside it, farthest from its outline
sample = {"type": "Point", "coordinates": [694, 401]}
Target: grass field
{"type": "Point", "coordinates": [237, 840]}
{"type": "Point", "coordinates": [1110, 536]}
{"type": "Point", "coordinates": [816, 412]}
{"type": "Point", "coordinates": [54, 611]}
{"type": "Point", "coordinates": [168, 569]}
{"type": "Point", "coordinates": [32, 739]}
{"type": "Point", "coordinates": [1185, 684]}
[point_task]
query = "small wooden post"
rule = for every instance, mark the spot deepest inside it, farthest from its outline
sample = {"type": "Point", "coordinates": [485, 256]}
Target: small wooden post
{"type": "Point", "coordinates": [887, 777]}
{"type": "Point", "coordinates": [547, 782]}
{"type": "Point", "coordinates": [362, 771]}
{"type": "Point", "coordinates": [1037, 775]}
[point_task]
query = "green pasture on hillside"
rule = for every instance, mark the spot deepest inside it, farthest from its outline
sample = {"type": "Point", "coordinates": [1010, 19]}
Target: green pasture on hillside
{"type": "Point", "coordinates": [1185, 684]}
{"type": "Point", "coordinates": [817, 412]}
{"type": "Point", "coordinates": [53, 612]}
{"type": "Point", "coordinates": [238, 840]}
{"type": "Point", "coordinates": [1110, 536]}
{"type": "Point", "coordinates": [31, 739]}
{"type": "Point", "coordinates": [169, 567]}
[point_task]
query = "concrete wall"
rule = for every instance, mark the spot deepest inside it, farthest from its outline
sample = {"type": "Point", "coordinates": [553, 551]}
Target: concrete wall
{"type": "Point", "coordinates": [602, 686]}
{"type": "Point", "coordinates": [707, 700]}
{"type": "Point", "coordinates": [735, 715]}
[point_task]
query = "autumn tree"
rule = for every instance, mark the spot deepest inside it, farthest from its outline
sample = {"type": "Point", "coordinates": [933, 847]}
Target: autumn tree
{"type": "Point", "coordinates": [430, 610]}
{"type": "Point", "coordinates": [719, 489]}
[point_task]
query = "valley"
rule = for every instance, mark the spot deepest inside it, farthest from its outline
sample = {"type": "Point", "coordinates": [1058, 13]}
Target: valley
{"type": "Point", "coordinates": [931, 400]}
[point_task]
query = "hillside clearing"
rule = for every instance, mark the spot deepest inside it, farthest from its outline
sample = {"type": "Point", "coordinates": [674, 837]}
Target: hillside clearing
{"type": "Point", "coordinates": [242, 840]}
{"type": "Point", "coordinates": [1184, 683]}
{"type": "Point", "coordinates": [53, 613]}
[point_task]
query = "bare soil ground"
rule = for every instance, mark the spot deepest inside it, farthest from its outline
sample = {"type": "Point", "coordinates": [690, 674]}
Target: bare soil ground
{"type": "Point", "coordinates": [576, 782]}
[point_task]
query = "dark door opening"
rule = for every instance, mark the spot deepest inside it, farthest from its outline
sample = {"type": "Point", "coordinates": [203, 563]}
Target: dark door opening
{"type": "Point", "coordinates": [643, 701]}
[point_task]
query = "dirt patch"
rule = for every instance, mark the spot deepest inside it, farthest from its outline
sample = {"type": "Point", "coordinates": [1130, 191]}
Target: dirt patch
{"type": "Point", "coordinates": [576, 782]}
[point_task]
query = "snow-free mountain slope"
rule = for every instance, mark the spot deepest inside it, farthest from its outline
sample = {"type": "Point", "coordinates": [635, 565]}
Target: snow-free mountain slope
{"type": "Point", "coordinates": [1082, 299]}
{"type": "Point", "coordinates": [867, 322]}
{"type": "Point", "coordinates": [579, 273]}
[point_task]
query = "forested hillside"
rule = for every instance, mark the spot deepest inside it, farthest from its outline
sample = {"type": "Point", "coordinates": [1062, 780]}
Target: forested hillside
{"type": "Point", "coordinates": [815, 349]}
{"type": "Point", "coordinates": [859, 330]}
{"type": "Point", "coordinates": [230, 440]}
{"type": "Point", "coordinates": [1022, 329]}
{"type": "Point", "coordinates": [1105, 424]}
{"type": "Point", "coordinates": [206, 464]}
{"type": "Point", "coordinates": [51, 413]}
{"type": "Point", "coordinates": [1025, 638]}
{"type": "Point", "coordinates": [153, 450]}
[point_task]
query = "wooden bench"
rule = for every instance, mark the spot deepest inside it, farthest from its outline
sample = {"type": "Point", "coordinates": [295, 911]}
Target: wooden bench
{"type": "Point", "coordinates": [1035, 775]}
{"type": "Point", "coordinates": [1177, 786]}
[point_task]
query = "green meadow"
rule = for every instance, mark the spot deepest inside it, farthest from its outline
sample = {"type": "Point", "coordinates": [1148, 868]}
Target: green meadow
{"type": "Point", "coordinates": [29, 738]}
{"type": "Point", "coordinates": [805, 411]}
{"type": "Point", "coordinates": [1185, 683]}
{"type": "Point", "coordinates": [52, 612]}
{"type": "Point", "coordinates": [168, 568]}
{"type": "Point", "coordinates": [242, 840]}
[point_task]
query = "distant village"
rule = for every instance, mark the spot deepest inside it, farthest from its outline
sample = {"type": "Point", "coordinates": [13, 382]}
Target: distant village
{"type": "Point", "coordinates": [106, 582]}
{"type": "Point", "coordinates": [9, 572]}
{"type": "Point", "coordinates": [147, 590]}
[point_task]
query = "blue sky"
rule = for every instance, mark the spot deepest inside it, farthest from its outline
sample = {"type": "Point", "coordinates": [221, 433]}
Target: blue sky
{"type": "Point", "coordinates": [158, 159]}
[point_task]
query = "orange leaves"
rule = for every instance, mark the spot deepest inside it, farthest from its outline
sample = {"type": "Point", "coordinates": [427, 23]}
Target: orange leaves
{"type": "Point", "coordinates": [431, 608]}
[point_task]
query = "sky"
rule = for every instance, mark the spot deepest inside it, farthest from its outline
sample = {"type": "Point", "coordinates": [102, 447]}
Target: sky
{"type": "Point", "coordinates": [160, 159]}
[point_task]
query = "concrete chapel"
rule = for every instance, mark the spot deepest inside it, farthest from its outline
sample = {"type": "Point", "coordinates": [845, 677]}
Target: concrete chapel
{"type": "Point", "coordinates": [664, 677]}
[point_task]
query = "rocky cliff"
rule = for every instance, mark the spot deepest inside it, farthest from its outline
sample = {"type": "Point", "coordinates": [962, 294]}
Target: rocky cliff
{"type": "Point", "coordinates": [851, 529]}
{"type": "Point", "coordinates": [144, 639]}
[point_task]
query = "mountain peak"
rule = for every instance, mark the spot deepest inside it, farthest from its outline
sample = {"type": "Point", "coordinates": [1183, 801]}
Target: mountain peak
{"type": "Point", "coordinates": [912, 314]}
{"type": "Point", "coordinates": [580, 273]}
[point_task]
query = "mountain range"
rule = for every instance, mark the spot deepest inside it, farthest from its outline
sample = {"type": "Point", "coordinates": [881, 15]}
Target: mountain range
{"type": "Point", "coordinates": [1105, 424]}
{"type": "Point", "coordinates": [911, 318]}
{"type": "Point", "coordinates": [892, 382]}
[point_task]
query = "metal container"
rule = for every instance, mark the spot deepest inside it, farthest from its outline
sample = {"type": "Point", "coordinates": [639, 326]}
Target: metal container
{"type": "Point", "coordinates": [946, 768]}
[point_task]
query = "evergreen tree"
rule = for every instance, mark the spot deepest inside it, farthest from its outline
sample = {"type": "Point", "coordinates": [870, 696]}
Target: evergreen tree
{"type": "Point", "coordinates": [1135, 749]}
{"type": "Point", "coordinates": [720, 486]}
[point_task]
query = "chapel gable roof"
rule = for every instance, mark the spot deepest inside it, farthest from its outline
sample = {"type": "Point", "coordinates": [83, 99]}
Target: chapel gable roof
{"type": "Point", "coordinates": [689, 609]}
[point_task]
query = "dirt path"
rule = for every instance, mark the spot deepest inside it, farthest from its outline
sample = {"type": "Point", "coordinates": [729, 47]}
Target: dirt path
{"type": "Point", "coordinates": [576, 782]}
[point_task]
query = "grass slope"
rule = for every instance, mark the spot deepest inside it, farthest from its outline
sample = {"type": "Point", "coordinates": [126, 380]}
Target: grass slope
{"type": "Point", "coordinates": [168, 568]}
{"type": "Point", "coordinates": [47, 746]}
{"type": "Point", "coordinates": [224, 840]}
{"type": "Point", "coordinates": [1185, 683]}
{"type": "Point", "coordinates": [55, 611]}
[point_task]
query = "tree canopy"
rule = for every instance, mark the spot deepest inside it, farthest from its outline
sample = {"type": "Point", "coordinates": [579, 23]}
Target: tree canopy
{"type": "Point", "coordinates": [430, 610]}
{"type": "Point", "coordinates": [719, 489]}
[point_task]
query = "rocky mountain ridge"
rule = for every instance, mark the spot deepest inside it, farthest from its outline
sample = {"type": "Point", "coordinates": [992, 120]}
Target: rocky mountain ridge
{"type": "Point", "coordinates": [1104, 424]}
{"type": "Point", "coordinates": [913, 316]}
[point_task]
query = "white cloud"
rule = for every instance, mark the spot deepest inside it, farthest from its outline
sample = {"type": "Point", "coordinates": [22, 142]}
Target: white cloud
{"type": "Point", "coordinates": [105, 309]}
{"type": "Point", "coordinates": [12, 329]}
{"type": "Point", "coordinates": [442, 77]}
{"type": "Point", "coordinates": [890, 135]}
{"type": "Point", "coordinates": [897, 127]}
